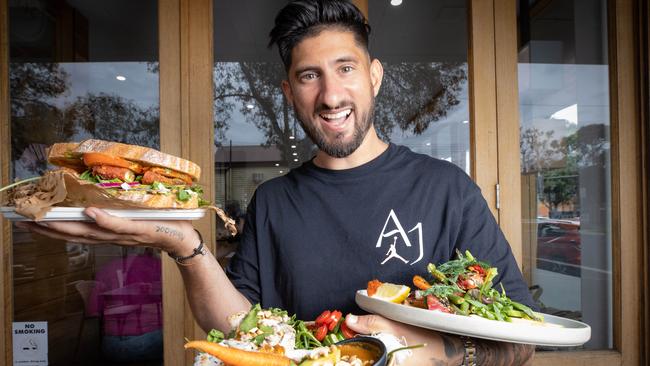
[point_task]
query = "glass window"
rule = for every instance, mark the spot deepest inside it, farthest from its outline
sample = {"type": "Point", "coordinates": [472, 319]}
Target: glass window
{"type": "Point", "coordinates": [422, 104]}
{"type": "Point", "coordinates": [423, 100]}
{"type": "Point", "coordinates": [78, 70]}
{"type": "Point", "coordinates": [565, 160]}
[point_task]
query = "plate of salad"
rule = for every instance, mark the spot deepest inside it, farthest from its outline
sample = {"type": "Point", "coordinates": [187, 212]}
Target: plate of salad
{"type": "Point", "coordinates": [458, 297]}
{"type": "Point", "coordinates": [271, 337]}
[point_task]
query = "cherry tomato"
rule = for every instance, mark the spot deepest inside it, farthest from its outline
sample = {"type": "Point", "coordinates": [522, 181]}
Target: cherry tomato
{"type": "Point", "coordinates": [321, 332]}
{"type": "Point", "coordinates": [323, 318]}
{"type": "Point", "coordinates": [347, 332]}
{"type": "Point", "coordinates": [433, 303]}
{"type": "Point", "coordinates": [334, 319]}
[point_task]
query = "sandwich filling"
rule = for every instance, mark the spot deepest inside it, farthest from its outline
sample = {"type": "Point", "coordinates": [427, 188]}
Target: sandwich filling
{"type": "Point", "coordinates": [118, 174]}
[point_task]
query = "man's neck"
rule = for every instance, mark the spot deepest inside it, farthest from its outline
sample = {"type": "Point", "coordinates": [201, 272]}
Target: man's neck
{"type": "Point", "coordinates": [370, 148]}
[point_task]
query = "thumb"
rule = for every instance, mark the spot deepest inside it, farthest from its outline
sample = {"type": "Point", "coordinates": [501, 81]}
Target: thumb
{"type": "Point", "coordinates": [367, 324]}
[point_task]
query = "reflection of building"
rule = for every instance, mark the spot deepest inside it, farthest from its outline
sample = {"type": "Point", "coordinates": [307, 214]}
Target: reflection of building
{"type": "Point", "coordinates": [240, 169]}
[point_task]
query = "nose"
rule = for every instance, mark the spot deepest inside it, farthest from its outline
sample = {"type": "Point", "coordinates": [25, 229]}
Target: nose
{"type": "Point", "coordinates": [332, 91]}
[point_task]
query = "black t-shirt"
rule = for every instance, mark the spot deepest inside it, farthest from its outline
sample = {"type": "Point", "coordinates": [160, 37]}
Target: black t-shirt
{"type": "Point", "coordinates": [315, 236]}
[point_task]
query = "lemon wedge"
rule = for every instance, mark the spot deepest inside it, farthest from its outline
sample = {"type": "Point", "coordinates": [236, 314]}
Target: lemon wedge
{"type": "Point", "coordinates": [392, 293]}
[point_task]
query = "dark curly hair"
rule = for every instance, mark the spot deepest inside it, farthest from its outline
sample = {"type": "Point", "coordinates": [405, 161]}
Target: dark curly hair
{"type": "Point", "coordinates": [301, 19]}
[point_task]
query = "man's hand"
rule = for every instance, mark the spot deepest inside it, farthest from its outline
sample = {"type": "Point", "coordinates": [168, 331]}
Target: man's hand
{"type": "Point", "coordinates": [442, 348]}
{"type": "Point", "coordinates": [177, 237]}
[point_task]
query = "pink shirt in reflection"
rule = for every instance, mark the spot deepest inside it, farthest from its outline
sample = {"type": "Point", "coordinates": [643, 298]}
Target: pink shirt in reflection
{"type": "Point", "coordinates": [128, 296]}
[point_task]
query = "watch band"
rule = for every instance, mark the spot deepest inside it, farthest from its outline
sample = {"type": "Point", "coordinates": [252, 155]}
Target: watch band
{"type": "Point", "coordinates": [469, 358]}
{"type": "Point", "coordinates": [200, 249]}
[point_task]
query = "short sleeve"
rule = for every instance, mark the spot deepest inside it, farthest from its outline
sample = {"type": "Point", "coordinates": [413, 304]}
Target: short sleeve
{"type": "Point", "coordinates": [243, 269]}
{"type": "Point", "coordinates": [481, 235]}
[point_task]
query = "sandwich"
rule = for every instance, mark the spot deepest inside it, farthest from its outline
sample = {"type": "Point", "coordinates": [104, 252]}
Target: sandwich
{"type": "Point", "coordinates": [135, 175]}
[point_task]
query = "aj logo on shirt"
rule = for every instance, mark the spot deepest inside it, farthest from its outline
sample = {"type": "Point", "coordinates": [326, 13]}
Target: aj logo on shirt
{"type": "Point", "coordinates": [398, 243]}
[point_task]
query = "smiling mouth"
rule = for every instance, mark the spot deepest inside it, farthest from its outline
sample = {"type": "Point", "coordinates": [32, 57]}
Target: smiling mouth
{"type": "Point", "coordinates": [336, 118]}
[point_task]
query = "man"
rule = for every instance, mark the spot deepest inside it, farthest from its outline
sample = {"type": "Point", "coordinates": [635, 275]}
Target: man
{"type": "Point", "coordinates": [361, 209]}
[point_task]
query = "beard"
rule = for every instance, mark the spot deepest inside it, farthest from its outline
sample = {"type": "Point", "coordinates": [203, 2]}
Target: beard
{"type": "Point", "coordinates": [338, 148]}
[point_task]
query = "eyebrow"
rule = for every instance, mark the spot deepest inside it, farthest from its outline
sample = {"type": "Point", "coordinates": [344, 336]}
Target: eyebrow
{"type": "Point", "coordinates": [340, 60]}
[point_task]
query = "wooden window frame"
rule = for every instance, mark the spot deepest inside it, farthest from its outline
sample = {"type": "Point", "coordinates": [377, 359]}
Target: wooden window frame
{"type": "Point", "coordinates": [186, 130]}
{"type": "Point", "coordinates": [186, 67]}
{"type": "Point", "coordinates": [6, 282]}
{"type": "Point", "coordinates": [627, 157]}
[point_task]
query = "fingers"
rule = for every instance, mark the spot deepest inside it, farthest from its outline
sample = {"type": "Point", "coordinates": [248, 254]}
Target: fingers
{"type": "Point", "coordinates": [368, 324]}
{"type": "Point", "coordinates": [42, 230]}
{"type": "Point", "coordinates": [79, 229]}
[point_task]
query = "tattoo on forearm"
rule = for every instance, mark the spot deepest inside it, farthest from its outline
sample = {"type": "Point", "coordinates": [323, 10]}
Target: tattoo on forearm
{"type": "Point", "coordinates": [453, 346]}
{"type": "Point", "coordinates": [488, 353]}
{"type": "Point", "coordinates": [501, 353]}
{"type": "Point", "coordinates": [169, 231]}
{"type": "Point", "coordinates": [454, 351]}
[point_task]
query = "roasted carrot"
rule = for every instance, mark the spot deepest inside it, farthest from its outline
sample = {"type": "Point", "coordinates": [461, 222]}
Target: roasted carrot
{"type": "Point", "coordinates": [372, 286]}
{"type": "Point", "coordinates": [238, 357]}
{"type": "Point", "coordinates": [421, 283]}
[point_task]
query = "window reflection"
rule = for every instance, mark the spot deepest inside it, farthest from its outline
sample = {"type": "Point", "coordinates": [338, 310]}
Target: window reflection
{"type": "Point", "coordinates": [74, 74]}
{"type": "Point", "coordinates": [565, 160]}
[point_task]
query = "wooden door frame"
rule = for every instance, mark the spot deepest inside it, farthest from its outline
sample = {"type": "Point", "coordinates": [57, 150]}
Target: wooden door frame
{"type": "Point", "coordinates": [627, 175]}
{"type": "Point", "coordinates": [186, 130]}
{"type": "Point", "coordinates": [6, 258]}
{"type": "Point", "coordinates": [643, 43]}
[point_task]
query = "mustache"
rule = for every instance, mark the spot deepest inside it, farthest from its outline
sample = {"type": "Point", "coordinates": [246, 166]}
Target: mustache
{"type": "Point", "coordinates": [345, 104]}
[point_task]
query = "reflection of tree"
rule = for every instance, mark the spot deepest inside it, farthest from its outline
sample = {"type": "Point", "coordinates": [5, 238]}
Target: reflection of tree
{"type": "Point", "coordinates": [257, 84]}
{"type": "Point", "coordinates": [537, 149]}
{"type": "Point", "coordinates": [111, 117]}
{"type": "Point", "coordinates": [558, 162]}
{"type": "Point", "coordinates": [33, 83]}
{"type": "Point", "coordinates": [415, 94]}
{"type": "Point", "coordinates": [412, 96]}
{"type": "Point", "coordinates": [38, 122]}
{"type": "Point", "coordinates": [34, 120]}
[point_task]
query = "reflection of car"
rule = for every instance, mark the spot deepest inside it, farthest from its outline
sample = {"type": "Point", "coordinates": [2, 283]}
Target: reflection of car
{"type": "Point", "coordinates": [558, 245]}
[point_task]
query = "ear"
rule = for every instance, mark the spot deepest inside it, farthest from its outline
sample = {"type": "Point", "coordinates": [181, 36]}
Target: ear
{"type": "Point", "coordinates": [376, 75]}
{"type": "Point", "coordinates": [286, 89]}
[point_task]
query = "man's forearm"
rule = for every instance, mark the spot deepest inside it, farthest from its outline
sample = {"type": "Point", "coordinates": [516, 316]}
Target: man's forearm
{"type": "Point", "coordinates": [501, 353]}
{"type": "Point", "coordinates": [210, 293]}
{"type": "Point", "coordinates": [488, 353]}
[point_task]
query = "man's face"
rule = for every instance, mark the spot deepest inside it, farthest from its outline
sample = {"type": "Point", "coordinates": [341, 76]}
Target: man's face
{"type": "Point", "coordinates": [332, 85]}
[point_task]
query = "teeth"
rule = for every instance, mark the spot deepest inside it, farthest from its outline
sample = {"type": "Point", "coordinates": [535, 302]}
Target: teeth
{"type": "Point", "coordinates": [342, 114]}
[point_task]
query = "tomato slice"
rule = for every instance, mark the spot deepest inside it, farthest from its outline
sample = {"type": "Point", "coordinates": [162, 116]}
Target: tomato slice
{"type": "Point", "coordinates": [477, 268]}
{"type": "Point", "coordinates": [347, 332]}
{"type": "Point", "coordinates": [321, 332]}
{"type": "Point", "coordinates": [335, 316]}
{"type": "Point", "coordinates": [323, 318]}
{"type": "Point", "coordinates": [332, 325]}
{"type": "Point", "coordinates": [433, 303]}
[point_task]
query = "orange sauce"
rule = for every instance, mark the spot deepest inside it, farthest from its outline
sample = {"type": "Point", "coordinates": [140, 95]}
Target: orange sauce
{"type": "Point", "coordinates": [361, 353]}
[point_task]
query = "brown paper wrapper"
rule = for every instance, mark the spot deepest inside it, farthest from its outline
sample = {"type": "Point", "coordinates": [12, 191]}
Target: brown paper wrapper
{"type": "Point", "coordinates": [64, 188]}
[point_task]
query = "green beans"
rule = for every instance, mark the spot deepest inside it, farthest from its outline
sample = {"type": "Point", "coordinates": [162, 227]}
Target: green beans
{"type": "Point", "coordinates": [436, 274]}
{"type": "Point", "coordinates": [456, 299]}
{"type": "Point", "coordinates": [467, 284]}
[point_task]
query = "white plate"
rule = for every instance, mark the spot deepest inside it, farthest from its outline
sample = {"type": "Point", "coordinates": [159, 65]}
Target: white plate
{"type": "Point", "coordinates": [76, 214]}
{"type": "Point", "coordinates": [556, 332]}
